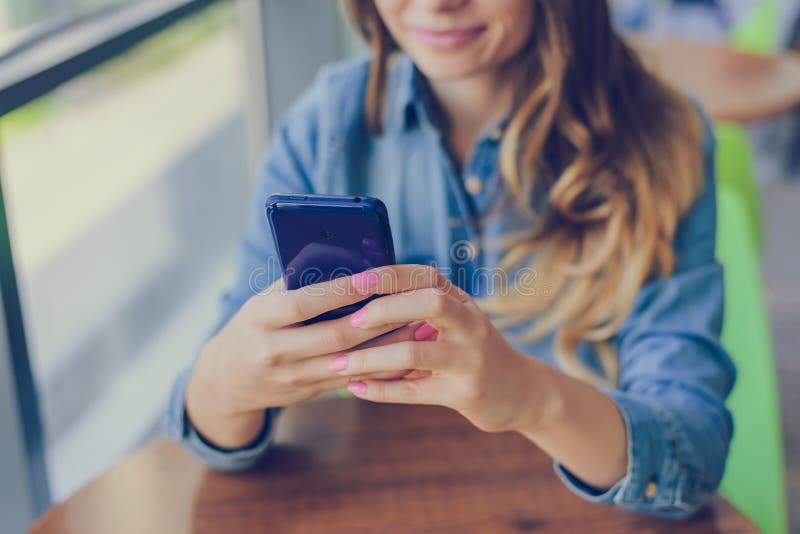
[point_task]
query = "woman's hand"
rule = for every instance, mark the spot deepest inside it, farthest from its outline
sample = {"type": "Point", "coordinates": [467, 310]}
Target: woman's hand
{"type": "Point", "coordinates": [265, 358]}
{"type": "Point", "coordinates": [463, 362]}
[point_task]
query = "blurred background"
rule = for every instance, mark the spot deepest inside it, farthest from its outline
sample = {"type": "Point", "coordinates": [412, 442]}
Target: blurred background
{"type": "Point", "coordinates": [130, 131]}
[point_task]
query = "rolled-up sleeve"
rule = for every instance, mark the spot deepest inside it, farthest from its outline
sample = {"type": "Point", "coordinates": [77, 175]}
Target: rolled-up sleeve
{"type": "Point", "coordinates": [674, 379]}
{"type": "Point", "coordinates": [288, 167]}
{"type": "Point", "coordinates": [177, 425]}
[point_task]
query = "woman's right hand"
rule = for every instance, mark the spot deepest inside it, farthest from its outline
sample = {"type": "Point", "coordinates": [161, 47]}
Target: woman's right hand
{"type": "Point", "coordinates": [264, 357]}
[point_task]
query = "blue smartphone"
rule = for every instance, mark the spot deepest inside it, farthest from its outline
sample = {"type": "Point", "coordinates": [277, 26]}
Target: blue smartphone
{"type": "Point", "coordinates": [321, 237]}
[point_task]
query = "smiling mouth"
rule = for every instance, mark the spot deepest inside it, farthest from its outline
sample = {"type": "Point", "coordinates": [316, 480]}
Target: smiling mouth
{"type": "Point", "coordinates": [448, 39]}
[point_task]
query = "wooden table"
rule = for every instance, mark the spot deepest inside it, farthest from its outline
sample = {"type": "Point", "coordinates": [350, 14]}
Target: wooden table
{"type": "Point", "coordinates": [731, 85]}
{"type": "Point", "coordinates": [343, 465]}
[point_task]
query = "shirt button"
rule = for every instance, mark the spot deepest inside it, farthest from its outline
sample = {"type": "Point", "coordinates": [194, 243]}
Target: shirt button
{"type": "Point", "coordinates": [474, 185]}
{"type": "Point", "coordinates": [650, 490]}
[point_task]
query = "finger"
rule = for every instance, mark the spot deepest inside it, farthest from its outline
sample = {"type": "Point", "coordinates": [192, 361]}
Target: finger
{"type": "Point", "coordinates": [415, 375]}
{"type": "Point", "coordinates": [302, 342]}
{"type": "Point", "coordinates": [440, 310]}
{"type": "Point", "coordinates": [387, 375]}
{"type": "Point", "coordinates": [332, 338]}
{"type": "Point", "coordinates": [391, 279]}
{"type": "Point", "coordinates": [316, 373]}
{"type": "Point", "coordinates": [422, 391]}
{"type": "Point", "coordinates": [407, 333]}
{"type": "Point", "coordinates": [310, 370]}
{"type": "Point", "coordinates": [276, 306]}
{"type": "Point", "coordinates": [424, 355]}
{"type": "Point", "coordinates": [404, 333]}
{"type": "Point", "coordinates": [400, 335]}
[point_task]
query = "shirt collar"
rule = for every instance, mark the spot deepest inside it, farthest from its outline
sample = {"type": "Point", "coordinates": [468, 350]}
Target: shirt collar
{"type": "Point", "coordinates": [410, 99]}
{"type": "Point", "coordinates": [408, 94]}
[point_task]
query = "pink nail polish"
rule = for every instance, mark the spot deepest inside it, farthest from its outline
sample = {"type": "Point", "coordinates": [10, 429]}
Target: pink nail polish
{"type": "Point", "coordinates": [359, 318]}
{"type": "Point", "coordinates": [425, 332]}
{"type": "Point", "coordinates": [364, 282]}
{"type": "Point", "coordinates": [338, 364]}
{"type": "Point", "coordinates": [357, 388]}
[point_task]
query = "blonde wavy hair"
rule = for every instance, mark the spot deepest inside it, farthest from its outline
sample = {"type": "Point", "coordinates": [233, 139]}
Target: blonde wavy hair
{"type": "Point", "coordinates": [603, 156]}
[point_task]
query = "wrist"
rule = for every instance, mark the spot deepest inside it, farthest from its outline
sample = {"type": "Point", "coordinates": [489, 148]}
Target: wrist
{"type": "Point", "coordinates": [207, 390]}
{"type": "Point", "coordinates": [214, 417]}
{"type": "Point", "coordinates": [544, 402]}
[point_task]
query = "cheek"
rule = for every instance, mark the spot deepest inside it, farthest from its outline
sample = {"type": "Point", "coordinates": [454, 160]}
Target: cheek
{"type": "Point", "coordinates": [513, 23]}
{"type": "Point", "coordinates": [512, 9]}
{"type": "Point", "coordinates": [517, 36]}
{"type": "Point", "coordinates": [390, 11]}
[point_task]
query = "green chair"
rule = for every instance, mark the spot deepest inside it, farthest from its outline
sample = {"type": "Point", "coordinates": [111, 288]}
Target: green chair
{"type": "Point", "coordinates": [754, 478]}
{"type": "Point", "coordinates": [735, 171]}
{"type": "Point", "coordinates": [757, 32]}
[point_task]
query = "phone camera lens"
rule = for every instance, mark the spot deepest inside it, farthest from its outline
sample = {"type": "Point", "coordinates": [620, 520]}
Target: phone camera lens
{"type": "Point", "coordinates": [357, 200]}
{"type": "Point", "coordinates": [327, 234]}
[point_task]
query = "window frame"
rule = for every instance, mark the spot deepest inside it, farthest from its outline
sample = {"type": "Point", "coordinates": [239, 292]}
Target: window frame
{"type": "Point", "coordinates": [37, 66]}
{"type": "Point", "coordinates": [33, 71]}
{"type": "Point", "coordinates": [27, 72]}
{"type": "Point", "coordinates": [24, 486]}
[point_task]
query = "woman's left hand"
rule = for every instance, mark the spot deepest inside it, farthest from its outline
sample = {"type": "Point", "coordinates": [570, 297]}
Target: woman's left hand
{"type": "Point", "coordinates": [460, 358]}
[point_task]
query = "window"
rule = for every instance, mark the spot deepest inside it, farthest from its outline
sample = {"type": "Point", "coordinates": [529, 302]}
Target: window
{"type": "Point", "coordinates": [124, 190]}
{"type": "Point", "coordinates": [124, 165]}
{"type": "Point", "coordinates": [21, 20]}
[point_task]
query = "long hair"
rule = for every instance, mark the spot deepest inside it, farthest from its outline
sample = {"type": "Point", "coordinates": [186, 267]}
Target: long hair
{"type": "Point", "coordinates": [605, 158]}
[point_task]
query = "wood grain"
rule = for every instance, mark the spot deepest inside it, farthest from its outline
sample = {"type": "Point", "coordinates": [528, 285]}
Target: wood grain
{"type": "Point", "coordinates": [344, 465]}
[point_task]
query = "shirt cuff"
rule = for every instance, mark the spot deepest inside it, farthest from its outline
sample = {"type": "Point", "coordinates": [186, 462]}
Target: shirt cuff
{"type": "Point", "coordinates": [178, 426]}
{"type": "Point", "coordinates": [654, 481]}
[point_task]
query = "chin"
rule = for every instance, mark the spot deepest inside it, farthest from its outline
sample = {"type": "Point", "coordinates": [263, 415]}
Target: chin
{"type": "Point", "coordinates": [446, 69]}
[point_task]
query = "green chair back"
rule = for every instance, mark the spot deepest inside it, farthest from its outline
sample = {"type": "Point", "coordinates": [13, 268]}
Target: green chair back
{"type": "Point", "coordinates": [754, 478]}
{"type": "Point", "coordinates": [735, 171]}
{"type": "Point", "coordinates": [757, 32]}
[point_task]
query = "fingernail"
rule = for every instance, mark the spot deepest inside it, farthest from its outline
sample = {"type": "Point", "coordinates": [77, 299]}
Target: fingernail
{"type": "Point", "coordinates": [424, 332]}
{"type": "Point", "coordinates": [359, 318]}
{"type": "Point", "coordinates": [363, 282]}
{"type": "Point", "coordinates": [338, 364]}
{"type": "Point", "coordinates": [357, 388]}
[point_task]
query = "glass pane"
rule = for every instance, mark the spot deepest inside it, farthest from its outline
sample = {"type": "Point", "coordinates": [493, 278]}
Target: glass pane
{"type": "Point", "coordinates": [125, 190]}
{"type": "Point", "coordinates": [20, 18]}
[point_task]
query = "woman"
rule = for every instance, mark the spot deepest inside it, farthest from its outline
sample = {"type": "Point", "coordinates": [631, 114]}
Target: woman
{"type": "Point", "coordinates": [515, 137]}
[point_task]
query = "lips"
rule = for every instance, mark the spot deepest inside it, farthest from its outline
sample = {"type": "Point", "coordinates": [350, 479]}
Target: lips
{"type": "Point", "coordinates": [448, 39]}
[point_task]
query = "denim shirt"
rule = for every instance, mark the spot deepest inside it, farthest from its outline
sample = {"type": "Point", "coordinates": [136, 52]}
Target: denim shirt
{"type": "Point", "coordinates": [674, 375]}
